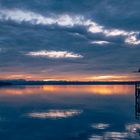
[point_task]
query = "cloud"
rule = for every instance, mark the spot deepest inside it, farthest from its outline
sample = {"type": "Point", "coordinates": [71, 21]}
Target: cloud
{"type": "Point", "coordinates": [55, 114]}
{"type": "Point", "coordinates": [115, 32]}
{"type": "Point", "coordinates": [132, 40]}
{"type": "Point", "coordinates": [54, 54]}
{"type": "Point", "coordinates": [21, 16]}
{"type": "Point", "coordinates": [93, 27]}
{"type": "Point", "coordinates": [65, 20]}
{"type": "Point", "coordinates": [100, 42]}
{"type": "Point", "coordinates": [130, 37]}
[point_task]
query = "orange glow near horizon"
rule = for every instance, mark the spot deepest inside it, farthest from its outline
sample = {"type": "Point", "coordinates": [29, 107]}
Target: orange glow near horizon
{"type": "Point", "coordinates": [112, 78]}
{"type": "Point", "coordinates": [78, 77]}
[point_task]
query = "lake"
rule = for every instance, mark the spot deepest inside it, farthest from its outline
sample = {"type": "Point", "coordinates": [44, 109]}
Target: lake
{"type": "Point", "coordinates": [95, 112]}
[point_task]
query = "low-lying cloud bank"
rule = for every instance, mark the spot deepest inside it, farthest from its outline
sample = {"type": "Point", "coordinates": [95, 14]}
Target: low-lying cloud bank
{"type": "Point", "coordinates": [54, 54]}
{"type": "Point", "coordinates": [65, 20]}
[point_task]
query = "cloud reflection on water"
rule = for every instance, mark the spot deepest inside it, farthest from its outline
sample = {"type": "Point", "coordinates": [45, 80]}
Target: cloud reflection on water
{"type": "Point", "coordinates": [97, 112]}
{"type": "Point", "coordinates": [131, 131]}
{"type": "Point", "coordinates": [55, 114]}
{"type": "Point", "coordinates": [100, 126]}
{"type": "Point", "coordinates": [132, 127]}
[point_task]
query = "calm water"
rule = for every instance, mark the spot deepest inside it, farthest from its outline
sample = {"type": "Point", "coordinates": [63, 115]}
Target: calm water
{"type": "Point", "coordinates": [68, 113]}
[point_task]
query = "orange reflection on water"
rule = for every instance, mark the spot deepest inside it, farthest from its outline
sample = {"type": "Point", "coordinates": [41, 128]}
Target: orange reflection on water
{"type": "Point", "coordinates": [68, 90]}
{"type": "Point", "coordinates": [18, 91]}
{"type": "Point", "coordinates": [112, 89]}
{"type": "Point", "coordinates": [94, 89]}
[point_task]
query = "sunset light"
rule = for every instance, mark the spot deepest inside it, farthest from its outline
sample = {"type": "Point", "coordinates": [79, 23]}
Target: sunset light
{"type": "Point", "coordinates": [69, 69]}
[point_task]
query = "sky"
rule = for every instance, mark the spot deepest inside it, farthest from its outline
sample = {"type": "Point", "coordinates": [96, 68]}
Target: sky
{"type": "Point", "coordinates": [70, 39]}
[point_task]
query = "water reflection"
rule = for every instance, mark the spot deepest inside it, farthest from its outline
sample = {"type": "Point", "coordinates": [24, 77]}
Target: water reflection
{"type": "Point", "coordinates": [98, 112]}
{"type": "Point", "coordinates": [130, 133]}
{"type": "Point", "coordinates": [100, 126]}
{"type": "Point", "coordinates": [55, 114]}
{"type": "Point", "coordinates": [133, 128]}
{"type": "Point", "coordinates": [47, 89]}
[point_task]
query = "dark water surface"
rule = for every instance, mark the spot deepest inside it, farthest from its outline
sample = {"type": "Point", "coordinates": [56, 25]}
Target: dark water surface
{"type": "Point", "coordinates": [103, 112]}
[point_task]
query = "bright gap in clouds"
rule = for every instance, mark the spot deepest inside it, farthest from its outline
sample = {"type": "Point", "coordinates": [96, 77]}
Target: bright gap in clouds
{"type": "Point", "coordinates": [54, 54]}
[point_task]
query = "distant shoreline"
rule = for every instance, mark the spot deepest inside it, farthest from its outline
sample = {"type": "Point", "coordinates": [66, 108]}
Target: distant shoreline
{"type": "Point", "coordinates": [24, 82]}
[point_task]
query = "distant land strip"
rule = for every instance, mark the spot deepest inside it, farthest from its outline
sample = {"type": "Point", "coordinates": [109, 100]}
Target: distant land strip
{"type": "Point", "coordinates": [24, 82]}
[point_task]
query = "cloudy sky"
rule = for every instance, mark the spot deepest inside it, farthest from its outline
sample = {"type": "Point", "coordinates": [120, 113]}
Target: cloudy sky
{"type": "Point", "coordinates": [70, 39]}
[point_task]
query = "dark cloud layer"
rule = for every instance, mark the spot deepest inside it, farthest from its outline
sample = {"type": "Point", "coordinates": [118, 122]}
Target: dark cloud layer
{"type": "Point", "coordinates": [69, 37]}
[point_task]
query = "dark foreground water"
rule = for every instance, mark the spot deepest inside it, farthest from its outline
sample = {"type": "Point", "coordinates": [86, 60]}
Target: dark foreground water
{"type": "Point", "coordinates": [104, 112]}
